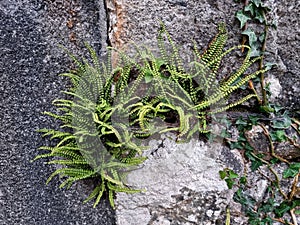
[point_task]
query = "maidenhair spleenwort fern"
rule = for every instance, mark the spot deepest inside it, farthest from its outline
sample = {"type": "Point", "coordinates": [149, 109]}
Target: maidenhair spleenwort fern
{"type": "Point", "coordinates": [112, 109]}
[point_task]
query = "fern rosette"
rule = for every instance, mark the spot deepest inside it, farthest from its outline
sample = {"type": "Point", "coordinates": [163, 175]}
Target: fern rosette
{"type": "Point", "coordinates": [113, 109]}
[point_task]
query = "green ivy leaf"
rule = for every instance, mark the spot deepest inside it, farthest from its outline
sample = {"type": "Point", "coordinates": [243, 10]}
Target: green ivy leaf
{"type": "Point", "coordinates": [267, 220]}
{"type": "Point", "coordinates": [269, 65]}
{"type": "Point", "coordinates": [282, 123]}
{"type": "Point", "coordinates": [266, 108]}
{"type": "Point", "coordinates": [223, 174]}
{"type": "Point", "coordinates": [278, 135]}
{"type": "Point", "coordinates": [243, 180]}
{"type": "Point", "coordinates": [224, 133]}
{"type": "Point", "coordinates": [285, 206]}
{"type": "Point", "coordinates": [241, 121]}
{"type": "Point", "coordinates": [236, 145]}
{"type": "Point", "coordinates": [277, 108]}
{"type": "Point", "coordinates": [261, 37]}
{"type": "Point", "coordinates": [250, 8]}
{"type": "Point", "coordinates": [253, 119]}
{"type": "Point", "coordinates": [225, 122]}
{"type": "Point", "coordinates": [251, 35]}
{"type": "Point", "coordinates": [243, 199]}
{"type": "Point", "coordinates": [229, 183]}
{"type": "Point", "coordinates": [268, 206]}
{"type": "Point", "coordinates": [232, 175]}
{"type": "Point", "coordinates": [292, 171]}
{"type": "Point", "coordinates": [242, 17]}
{"type": "Point", "coordinates": [259, 15]}
{"type": "Point", "coordinates": [255, 52]}
{"type": "Point", "coordinates": [256, 2]}
{"type": "Point", "coordinates": [255, 164]}
{"type": "Point", "coordinates": [282, 209]}
{"type": "Point", "coordinates": [241, 138]}
{"type": "Point", "coordinates": [253, 42]}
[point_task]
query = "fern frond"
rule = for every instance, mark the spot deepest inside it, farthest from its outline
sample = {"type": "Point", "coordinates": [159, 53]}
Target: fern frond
{"type": "Point", "coordinates": [111, 198]}
{"type": "Point", "coordinates": [65, 139]}
{"type": "Point", "coordinates": [105, 176]}
{"type": "Point", "coordinates": [73, 77]}
{"type": "Point", "coordinates": [69, 162]}
{"type": "Point", "coordinates": [62, 118]}
{"type": "Point", "coordinates": [239, 102]}
{"type": "Point", "coordinates": [215, 48]}
{"type": "Point", "coordinates": [54, 133]}
{"type": "Point", "coordinates": [121, 189]}
{"type": "Point", "coordinates": [139, 90]}
{"type": "Point", "coordinates": [175, 60]}
{"type": "Point", "coordinates": [100, 193]}
{"type": "Point", "coordinates": [71, 172]}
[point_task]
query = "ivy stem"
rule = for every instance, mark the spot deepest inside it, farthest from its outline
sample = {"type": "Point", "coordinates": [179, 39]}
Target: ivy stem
{"type": "Point", "coordinates": [280, 220]}
{"type": "Point", "coordinates": [261, 64]}
{"type": "Point", "coordinates": [266, 132]}
{"type": "Point", "coordinates": [294, 187]}
{"type": "Point", "coordinates": [293, 216]}
{"type": "Point", "coordinates": [274, 173]}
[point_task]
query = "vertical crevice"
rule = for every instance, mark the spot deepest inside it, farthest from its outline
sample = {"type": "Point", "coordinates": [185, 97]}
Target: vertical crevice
{"type": "Point", "coordinates": [108, 42]}
{"type": "Point", "coordinates": [104, 23]}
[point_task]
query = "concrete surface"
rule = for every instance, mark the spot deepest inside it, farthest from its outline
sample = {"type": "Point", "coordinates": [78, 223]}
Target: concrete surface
{"type": "Point", "coordinates": [30, 60]}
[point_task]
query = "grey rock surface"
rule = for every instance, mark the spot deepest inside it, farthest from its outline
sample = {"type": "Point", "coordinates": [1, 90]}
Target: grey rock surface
{"type": "Point", "coordinates": [181, 185]}
{"type": "Point", "coordinates": [30, 32]}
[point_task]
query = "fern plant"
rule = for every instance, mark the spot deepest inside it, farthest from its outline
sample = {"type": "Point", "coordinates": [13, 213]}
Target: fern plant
{"type": "Point", "coordinates": [111, 108]}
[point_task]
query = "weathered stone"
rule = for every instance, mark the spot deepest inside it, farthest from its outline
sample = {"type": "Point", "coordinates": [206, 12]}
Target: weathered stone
{"type": "Point", "coordinates": [181, 183]}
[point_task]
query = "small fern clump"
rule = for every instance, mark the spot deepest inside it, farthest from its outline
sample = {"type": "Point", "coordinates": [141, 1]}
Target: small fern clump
{"type": "Point", "coordinates": [112, 109]}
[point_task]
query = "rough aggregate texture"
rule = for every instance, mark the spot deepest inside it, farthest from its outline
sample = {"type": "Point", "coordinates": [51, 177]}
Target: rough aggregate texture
{"type": "Point", "coordinates": [30, 32]}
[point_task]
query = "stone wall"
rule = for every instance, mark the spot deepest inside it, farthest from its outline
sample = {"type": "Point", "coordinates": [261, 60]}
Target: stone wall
{"type": "Point", "coordinates": [182, 190]}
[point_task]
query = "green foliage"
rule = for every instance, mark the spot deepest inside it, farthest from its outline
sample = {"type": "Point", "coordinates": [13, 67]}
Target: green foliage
{"type": "Point", "coordinates": [252, 16]}
{"type": "Point", "coordinates": [292, 171]}
{"type": "Point", "coordinates": [229, 176]}
{"type": "Point", "coordinates": [94, 143]}
{"type": "Point", "coordinates": [279, 204]}
{"type": "Point", "coordinates": [253, 11]}
{"type": "Point", "coordinates": [259, 216]}
{"type": "Point", "coordinates": [285, 207]}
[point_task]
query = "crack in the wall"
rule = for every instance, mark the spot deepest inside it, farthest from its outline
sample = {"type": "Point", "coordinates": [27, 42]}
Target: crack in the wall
{"type": "Point", "coordinates": [107, 19]}
{"type": "Point", "coordinates": [115, 20]}
{"type": "Point", "coordinates": [116, 17]}
{"type": "Point", "coordinates": [103, 26]}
